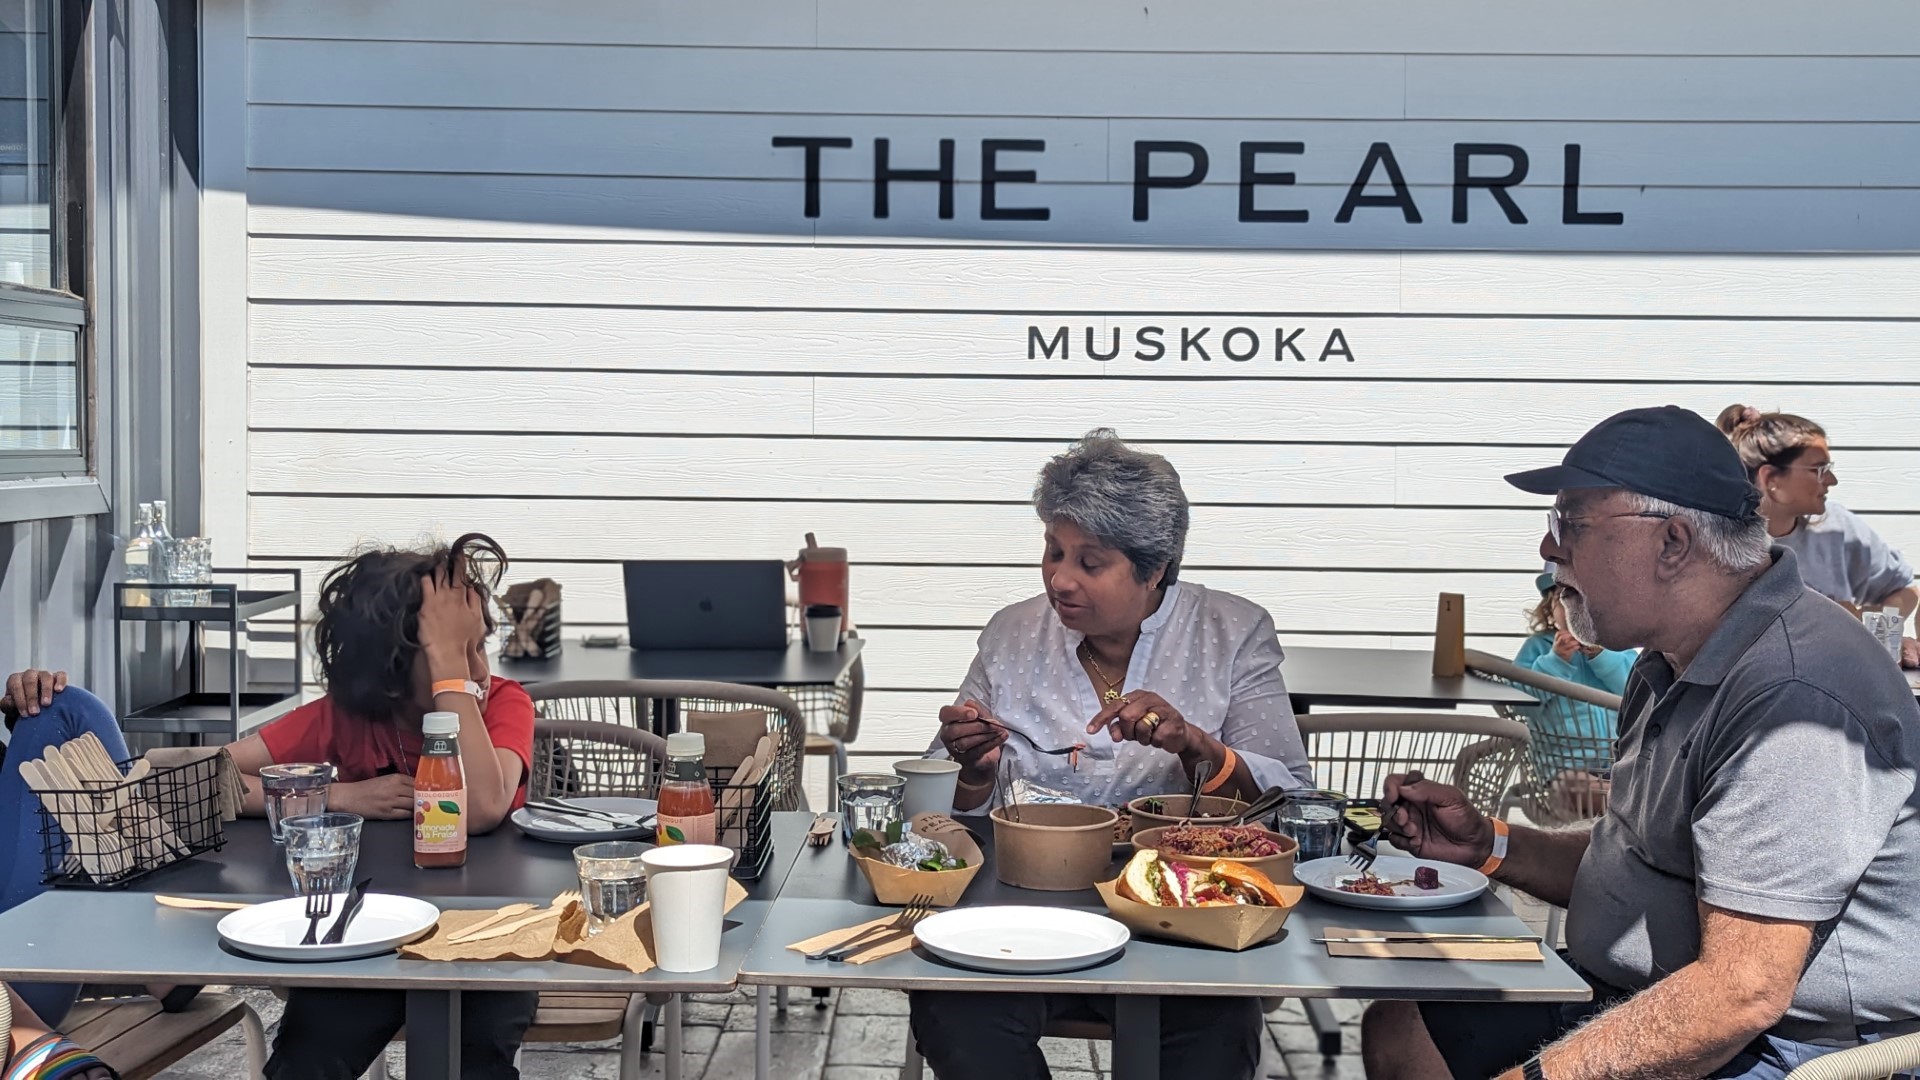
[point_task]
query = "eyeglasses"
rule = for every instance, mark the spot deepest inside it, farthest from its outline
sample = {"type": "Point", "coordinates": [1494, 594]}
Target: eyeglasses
{"type": "Point", "coordinates": [1824, 470]}
{"type": "Point", "coordinates": [1555, 520]}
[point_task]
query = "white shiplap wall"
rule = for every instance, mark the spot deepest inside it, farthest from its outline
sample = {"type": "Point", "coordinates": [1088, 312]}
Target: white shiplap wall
{"type": "Point", "coordinates": [535, 268]}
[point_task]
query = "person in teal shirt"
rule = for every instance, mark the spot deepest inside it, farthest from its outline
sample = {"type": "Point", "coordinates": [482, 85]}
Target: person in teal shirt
{"type": "Point", "coordinates": [1570, 735]}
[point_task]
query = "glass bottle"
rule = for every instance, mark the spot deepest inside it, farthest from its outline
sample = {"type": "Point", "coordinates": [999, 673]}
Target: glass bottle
{"type": "Point", "coordinates": [162, 561]}
{"type": "Point", "coordinates": [686, 799]}
{"type": "Point", "coordinates": [440, 795]}
{"type": "Point", "coordinates": [140, 558]}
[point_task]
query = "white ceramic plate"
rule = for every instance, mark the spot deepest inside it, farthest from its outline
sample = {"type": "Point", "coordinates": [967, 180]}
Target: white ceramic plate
{"type": "Point", "coordinates": [1021, 939]}
{"type": "Point", "coordinates": [1458, 884]}
{"type": "Point", "coordinates": [272, 931]}
{"type": "Point", "coordinates": [568, 829]}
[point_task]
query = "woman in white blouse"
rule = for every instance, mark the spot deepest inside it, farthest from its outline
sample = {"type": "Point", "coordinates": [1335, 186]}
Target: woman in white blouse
{"type": "Point", "coordinates": [1155, 675]}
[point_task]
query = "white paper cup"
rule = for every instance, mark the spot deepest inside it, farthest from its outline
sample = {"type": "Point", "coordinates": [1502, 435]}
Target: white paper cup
{"type": "Point", "coordinates": [930, 786]}
{"type": "Point", "coordinates": [687, 886]}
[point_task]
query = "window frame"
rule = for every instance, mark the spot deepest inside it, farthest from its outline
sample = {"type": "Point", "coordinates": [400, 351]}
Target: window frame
{"type": "Point", "coordinates": [63, 306]}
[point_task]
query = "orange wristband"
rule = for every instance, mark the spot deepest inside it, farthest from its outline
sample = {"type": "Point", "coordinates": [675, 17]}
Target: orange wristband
{"type": "Point", "coordinates": [453, 686]}
{"type": "Point", "coordinates": [1220, 778]}
{"type": "Point", "coordinates": [1500, 833]}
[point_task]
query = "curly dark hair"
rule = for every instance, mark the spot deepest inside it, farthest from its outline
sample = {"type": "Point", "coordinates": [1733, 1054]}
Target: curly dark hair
{"type": "Point", "coordinates": [368, 631]}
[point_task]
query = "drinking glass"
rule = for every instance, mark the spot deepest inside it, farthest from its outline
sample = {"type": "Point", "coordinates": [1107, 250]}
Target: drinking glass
{"type": "Point", "coordinates": [294, 790]}
{"type": "Point", "coordinates": [322, 852]}
{"type": "Point", "coordinates": [612, 880]}
{"type": "Point", "coordinates": [870, 801]}
{"type": "Point", "coordinates": [190, 561]}
{"type": "Point", "coordinates": [1315, 820]}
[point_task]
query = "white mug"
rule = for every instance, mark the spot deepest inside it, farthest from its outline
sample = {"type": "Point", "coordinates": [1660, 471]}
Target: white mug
{"type": "Point", "coordinates": [930, 785]}
{"type": "Point", "coordinates": [687, 889]}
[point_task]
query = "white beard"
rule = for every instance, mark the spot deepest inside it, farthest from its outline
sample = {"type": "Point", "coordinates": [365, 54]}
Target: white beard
{"type": "Point", "coordinates": [1580, 620]}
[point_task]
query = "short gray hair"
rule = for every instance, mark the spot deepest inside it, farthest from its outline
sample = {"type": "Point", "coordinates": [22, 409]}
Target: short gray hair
{"type": "Point", "coordinates": [1127, 499]}
{"type": "Point", "coordinates": [1732, 544]}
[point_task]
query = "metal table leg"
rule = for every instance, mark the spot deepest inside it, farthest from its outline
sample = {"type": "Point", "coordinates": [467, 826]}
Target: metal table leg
{"type": "Point", "coordinates": [762, 1033]}
{"type": "Point", "coordinates": [670, 1019]}
{"type": "Point", "coordinates": [1325, 1024]}
{"type": "Point", "coordinates": [433, 1034]}
{"type": "Point", "coordinates": [1136, 1037]}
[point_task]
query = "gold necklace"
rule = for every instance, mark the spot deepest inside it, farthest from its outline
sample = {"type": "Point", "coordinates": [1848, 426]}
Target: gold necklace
{"type": "Point", "coordinates": [1113, 685]}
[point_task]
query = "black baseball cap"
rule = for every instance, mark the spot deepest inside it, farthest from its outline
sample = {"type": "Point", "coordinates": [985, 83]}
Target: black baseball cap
{"type": "Point", "coordinates": [1666, 453]}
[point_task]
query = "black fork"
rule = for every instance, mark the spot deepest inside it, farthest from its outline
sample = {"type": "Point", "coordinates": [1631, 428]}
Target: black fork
{"type": "Point", "coordinates": [319, 906]}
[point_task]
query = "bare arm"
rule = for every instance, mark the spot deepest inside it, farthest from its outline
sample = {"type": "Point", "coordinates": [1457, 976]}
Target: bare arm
{"type": "Point", "coordinates": [492, 774]}
{"type": "Point", "coordinates": [1696, 1019]}
{"type": "Point", "coordinates": [1904, 600]}
{"type": "Point", "coordinates": [1436, 821]}
{"type": "Point", "coordinates": [251, 755]}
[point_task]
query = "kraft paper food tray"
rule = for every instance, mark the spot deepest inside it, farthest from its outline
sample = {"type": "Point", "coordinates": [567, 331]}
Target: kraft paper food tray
{"type": "Point", "coordinates": [1234, 928]}
{"type": "Point", "coordinates": [898, 885]}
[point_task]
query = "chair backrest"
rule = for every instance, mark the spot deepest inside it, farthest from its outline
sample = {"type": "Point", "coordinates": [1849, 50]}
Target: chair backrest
{"type": "Point", "coordinates": [1573, 729]}
{"type": "Point", "coordinates": [1898, 1056]}
{"type": "Point", "coordinates": [629, 703]}
{"type": "Point", "coordinates": [1353, 753]}
{"type": "Point", "coordinates": [573, 758]}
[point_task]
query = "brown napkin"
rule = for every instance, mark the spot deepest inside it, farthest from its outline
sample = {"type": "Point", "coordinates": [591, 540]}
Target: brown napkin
{"type": "Point", "coordinates": [627, 945]}
{"type": "Point", "coordinates": [899, 942]}
{"type": "Point", "coordinates": [532, 942]}
{"type": "Point", "coordinates": [730, 736]}
{"type": "Point", "coordinates": [1485, 950]}
{"type": "Point", "coordinates": [232, 792]}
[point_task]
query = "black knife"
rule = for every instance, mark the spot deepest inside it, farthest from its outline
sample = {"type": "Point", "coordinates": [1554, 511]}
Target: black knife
{"type": "Point", "coordinates": [354, 900]}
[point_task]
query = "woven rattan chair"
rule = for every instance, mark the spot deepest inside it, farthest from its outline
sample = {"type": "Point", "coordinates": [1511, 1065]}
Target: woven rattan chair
{"type": "Point", "coordinates": [1885, 1060]}
{"type": "Point", "coordinates": [1572, 739]}
{"type": "Point", "coordinates": [1353, 753]}
{"type": "Point", "coordinates": [628, 703]}
{"type": "Point", "coordinates": [833, 721]}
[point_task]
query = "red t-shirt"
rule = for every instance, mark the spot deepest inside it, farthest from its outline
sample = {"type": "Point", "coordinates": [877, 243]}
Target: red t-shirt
{"type": "Point", "coordinates": [362, 749]}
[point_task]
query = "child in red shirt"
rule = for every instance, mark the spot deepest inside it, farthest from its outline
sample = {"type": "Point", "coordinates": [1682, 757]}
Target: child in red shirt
{"type": "Point", "coordinates": [401, 634]}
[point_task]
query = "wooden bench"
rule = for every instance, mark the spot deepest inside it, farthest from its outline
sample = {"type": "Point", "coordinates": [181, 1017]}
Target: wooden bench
{"type": "Point", "coordinates": [140, 1041]}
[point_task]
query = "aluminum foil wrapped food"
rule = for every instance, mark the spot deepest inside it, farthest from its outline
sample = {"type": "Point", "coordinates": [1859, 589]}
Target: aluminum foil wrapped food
{"type": "Point", "coordinates": [1026, 792]}
{"type": "Point", "coordinates": [919, 853]}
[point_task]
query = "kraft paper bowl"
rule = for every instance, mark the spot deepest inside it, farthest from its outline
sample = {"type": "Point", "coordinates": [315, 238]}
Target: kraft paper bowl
{"type": "Point", "coordinates": [1053, 847]}
{"type": "Point", "coordinates": [1233, 927]}
{"type": "Point", "coordinates": [897, 886]}
{"type": "Point", "coordinates": [1277, 867]}
{"type": "Point", "coordinates": [1173, 809]}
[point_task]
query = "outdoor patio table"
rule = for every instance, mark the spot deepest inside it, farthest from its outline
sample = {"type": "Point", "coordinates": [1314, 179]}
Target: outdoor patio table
{"type": "Point", "coordinates": [792, 666]}
{"type": "Point", "coordinates": [825, 891]}
{"type": "Point", "coordinates": [1391, 678]}
{"type": "Point", "coordinates": [1913, 680]}
{"type": "Point", "coordinates": [122, 936]}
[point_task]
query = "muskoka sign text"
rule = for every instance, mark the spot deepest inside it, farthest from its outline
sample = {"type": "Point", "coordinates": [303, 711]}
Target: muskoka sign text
{"type": "Point", "coordinates": [1189, 344]}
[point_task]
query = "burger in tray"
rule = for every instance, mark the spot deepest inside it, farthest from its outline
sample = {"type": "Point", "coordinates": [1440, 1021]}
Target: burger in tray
{"type": "Point", "coordinates": [1229, 905]}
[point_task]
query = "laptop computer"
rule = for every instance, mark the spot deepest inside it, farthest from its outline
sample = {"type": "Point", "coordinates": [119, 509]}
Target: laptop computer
{"type": "Point", "coordinates": [707, 604]}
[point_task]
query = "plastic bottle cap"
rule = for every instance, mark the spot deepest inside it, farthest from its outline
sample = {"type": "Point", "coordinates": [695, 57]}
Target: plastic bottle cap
{"type": "Point", "coordinates": [441, 723]}
{"type": "Point", "coordinates": [687, 744]}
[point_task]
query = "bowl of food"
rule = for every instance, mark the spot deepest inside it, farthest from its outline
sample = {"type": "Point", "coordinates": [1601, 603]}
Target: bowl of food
{"type": "Point", "coordinates": [1053, 847]}
{"type": "Point", "coordinates": [1264, 850]}
{"type": "Point", "coordinates": [936, 857]}
{"type": "Point", "coordinates": [1227, 905]}
{"type": "Point", "coordinates": [1154, 811]}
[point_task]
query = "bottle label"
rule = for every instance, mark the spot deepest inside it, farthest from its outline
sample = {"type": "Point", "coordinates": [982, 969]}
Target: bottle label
{"type": "Point", "coordinates": [696, 829]}
{"type": "Point", "coordinates": [439, 820]}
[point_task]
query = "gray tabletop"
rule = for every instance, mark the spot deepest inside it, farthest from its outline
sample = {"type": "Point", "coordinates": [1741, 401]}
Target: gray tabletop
{"type": "Point", "coordinates": [76, 935]}
{"type": "Point", "coordinates": [1398, 678]}
{"type": "Point", "coordinates": [825, 892]}
{"type": "Point", "coordinates": [792, 666]}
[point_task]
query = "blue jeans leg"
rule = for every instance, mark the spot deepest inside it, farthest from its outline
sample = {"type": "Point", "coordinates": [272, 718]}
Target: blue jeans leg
{"type": "Point", "coordinates": [74, 713]}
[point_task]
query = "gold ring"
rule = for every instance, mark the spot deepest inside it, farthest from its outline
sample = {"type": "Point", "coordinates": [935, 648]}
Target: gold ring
{"type": "Point", "coordinates": [1151, 719]}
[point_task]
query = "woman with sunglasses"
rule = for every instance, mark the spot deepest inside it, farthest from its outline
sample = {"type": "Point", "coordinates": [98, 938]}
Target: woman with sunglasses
{"type": "Point", "coordinates": [1841, 557]}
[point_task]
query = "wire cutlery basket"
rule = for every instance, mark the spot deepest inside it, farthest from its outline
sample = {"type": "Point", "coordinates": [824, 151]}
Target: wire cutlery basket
{"type": "Point", "coordinates": [105, 835]}
{"type": "Point", "coordinates": [743, 819]}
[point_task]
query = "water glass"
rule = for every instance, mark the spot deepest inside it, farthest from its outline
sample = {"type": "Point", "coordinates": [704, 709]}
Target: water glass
{"type": "Point", "coordinates": [294, 790]}
{"type": "Point", "coordinates": [1887, 627]}
{"type": "Point", "coordinates": [190, 562]}
{"type": "Point", "coordinates": [612, 881]}
{"type": "Point", "coordinates": [870, 801]}
{"type": "Point", "coordinates": [1316, 821]}
{"type": "Point", "coordinates": [322, 852]}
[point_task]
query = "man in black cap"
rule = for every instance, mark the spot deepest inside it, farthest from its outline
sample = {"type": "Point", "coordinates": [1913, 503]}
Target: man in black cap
{"type": "Point", "coordinates": [1745, 904]}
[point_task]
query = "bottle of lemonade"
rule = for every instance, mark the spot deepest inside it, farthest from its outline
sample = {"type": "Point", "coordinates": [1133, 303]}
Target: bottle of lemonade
{"type": "Point", "coordinates": [686, 800]}
{"type": "Point", "coordinates": [440, 795]}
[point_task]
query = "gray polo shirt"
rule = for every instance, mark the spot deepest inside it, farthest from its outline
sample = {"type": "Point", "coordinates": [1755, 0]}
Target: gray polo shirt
{"type": "Point", "coordinates": [1775, 777]}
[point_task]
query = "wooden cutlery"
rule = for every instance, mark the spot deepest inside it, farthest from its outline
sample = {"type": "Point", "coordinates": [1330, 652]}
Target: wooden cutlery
{"type": "Point", "coordinates": [492, 928]}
